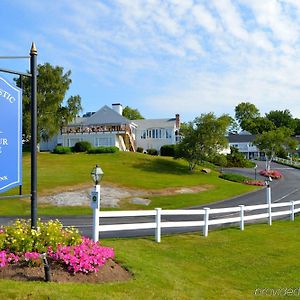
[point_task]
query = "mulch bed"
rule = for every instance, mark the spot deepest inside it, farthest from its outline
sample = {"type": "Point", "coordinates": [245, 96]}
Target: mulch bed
{"type": "Point", "coordinates": [110, 272]}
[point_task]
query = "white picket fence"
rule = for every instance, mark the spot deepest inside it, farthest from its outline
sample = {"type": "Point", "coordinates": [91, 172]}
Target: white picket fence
{"type": "Point", "coordinates": [206, 221]}
{"type": "Point", "coordinates": [287, 162]}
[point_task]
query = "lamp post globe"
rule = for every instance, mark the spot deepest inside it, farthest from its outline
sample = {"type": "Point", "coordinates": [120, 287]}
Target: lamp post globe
{"type": "Point", "coordinates": [97, 174]}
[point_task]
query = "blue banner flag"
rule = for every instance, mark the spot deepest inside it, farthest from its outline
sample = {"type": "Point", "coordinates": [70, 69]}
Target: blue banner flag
{"type": "Point", "coordinates": [10, 135]}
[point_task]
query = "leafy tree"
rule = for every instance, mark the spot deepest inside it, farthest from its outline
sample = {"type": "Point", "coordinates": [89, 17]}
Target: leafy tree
{"type": "Point", "coordinates": [258, 125]}
{"type": "Point", "coordinates": [237, 159]}
{"type": "Point", "coordinates": [52, 86]}
{"type": "Point", "coordinates": [203, 138]}
{"type": "Point", "coordinates": [282, 118]}
{"type": "Point", "coordinates": [234, 127]}
{"type": "Point", "coordinates": [132, 114]}
{"type": "Point", "coordinates": [297, 126]}
{"type": "Point", "coordinates": [275, 141]}
{"type": "Point", "coordinates": [245, 112]}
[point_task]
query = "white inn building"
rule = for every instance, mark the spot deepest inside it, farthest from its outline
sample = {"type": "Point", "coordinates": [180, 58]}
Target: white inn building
{"type": "Point", "coordinates": [107, 127]}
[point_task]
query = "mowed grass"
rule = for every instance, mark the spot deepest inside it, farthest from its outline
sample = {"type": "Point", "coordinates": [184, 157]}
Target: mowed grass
{"type": "Point", "coordinates": [59, 173]}
{"type": "Point", "coordinates": [228, 264]}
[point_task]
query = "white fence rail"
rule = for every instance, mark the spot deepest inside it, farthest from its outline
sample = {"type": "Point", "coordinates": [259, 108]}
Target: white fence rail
{"type": "Point", "coordinates": [239, 212]}
{"type": "Point", "coordinates": [287, 162]}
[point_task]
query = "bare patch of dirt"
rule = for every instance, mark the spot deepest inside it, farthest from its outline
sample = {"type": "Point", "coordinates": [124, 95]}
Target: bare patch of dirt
{"type": "Point", "coordinates": [110, 272]}
{"type": "Point", "coordinates": [111, 195]}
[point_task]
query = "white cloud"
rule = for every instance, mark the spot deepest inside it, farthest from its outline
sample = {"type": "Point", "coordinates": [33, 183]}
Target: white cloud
{"type": "Point", "coordinates": [191, 56]}
{"type": "Point", "coordinates": [231, 19]}
{"type": "Point", "coordinates": [204, 18]}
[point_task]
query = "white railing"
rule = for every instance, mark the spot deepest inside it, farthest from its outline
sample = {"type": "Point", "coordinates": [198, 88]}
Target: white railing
{"type": "Point", "coordinates": [287, 162]}
{"type": "Point", "coordinates": [158, 223]}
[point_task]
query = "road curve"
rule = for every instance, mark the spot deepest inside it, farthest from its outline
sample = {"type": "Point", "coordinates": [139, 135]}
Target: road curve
{"type": "Point", "coordinates": [284, 190]}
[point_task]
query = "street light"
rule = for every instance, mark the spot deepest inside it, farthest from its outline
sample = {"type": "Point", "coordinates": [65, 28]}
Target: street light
{"type": "Point", "coordinates": [97, 175]}
{"type": "Point", "coordinates": [255, 168]}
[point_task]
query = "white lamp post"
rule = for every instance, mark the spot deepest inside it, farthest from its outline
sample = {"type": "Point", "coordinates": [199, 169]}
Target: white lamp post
{"type": "Point", "coordinates": [97, 175]}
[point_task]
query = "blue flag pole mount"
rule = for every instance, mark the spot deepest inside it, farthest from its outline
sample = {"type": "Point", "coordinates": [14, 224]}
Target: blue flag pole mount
{"type": "Point", "coordinates": [10, 135]}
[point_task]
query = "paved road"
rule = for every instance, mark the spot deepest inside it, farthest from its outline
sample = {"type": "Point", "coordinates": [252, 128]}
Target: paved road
{"type": "Point", "coordinates": [286, 189]}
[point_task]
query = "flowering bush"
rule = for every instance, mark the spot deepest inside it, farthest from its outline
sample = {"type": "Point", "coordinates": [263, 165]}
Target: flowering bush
{"type": "Point", "coordinates": [18, 242]}
{"type": "Point", "coordinates": [20, 238]}
{"type": "Point", "coordinates": [7, 258]}
{"type": "Point", "coordinates": [274, 174]}
{"type": "Point", "coordinates": [255, 182]}
{"type": "Point", "coordinates": [85, 257]}
{"type": "Point", "coordinates": [33, 258]}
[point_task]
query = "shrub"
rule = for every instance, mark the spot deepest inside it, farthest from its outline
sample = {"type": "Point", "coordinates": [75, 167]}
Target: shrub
{"type": "Point", "coordinates": [62, 150]}
{"type": "Point", "coordinates": [152, 151]}
{"type": "Point", "coordinates": [77, 254]}
{"type": "Point", "coordinates": [20, 238]}
{"type": "Point", "coordinates": [82, 146]}
{"type": "Point", "coordinates": [99, 150]}
{"type": "Point", "coordinates": [167, 150]}
{"type": "Point", "coordinates": [219, 160]}
{"type": "Point", "coordinates": [237, 159]}
{"type": "Point", "coordinates": [234, 177]}
{"type": "Point", "coordinates": [140, 149]}
{"type": "Point", "coordinates": [241, 179]}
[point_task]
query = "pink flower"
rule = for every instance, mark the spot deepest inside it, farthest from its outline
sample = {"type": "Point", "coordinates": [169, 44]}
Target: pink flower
{"type": "Point", "coordinates": [85, 257]}
{"type": "Point", "coordinates": [7, 258]}
{"type": "Point", "coordinates": [271, 173]}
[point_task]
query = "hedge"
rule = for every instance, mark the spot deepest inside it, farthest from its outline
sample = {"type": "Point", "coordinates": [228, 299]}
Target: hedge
{"type": "Point", "coordinates": [101, 149]}
{"type": "Point", "coordinates": [62, 150]}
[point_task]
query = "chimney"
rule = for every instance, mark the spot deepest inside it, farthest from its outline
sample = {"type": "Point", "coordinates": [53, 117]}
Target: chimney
{"type": "Point", "coordinates": [177, 122]}
{"type": "Point", "coordinates": [117, 107]}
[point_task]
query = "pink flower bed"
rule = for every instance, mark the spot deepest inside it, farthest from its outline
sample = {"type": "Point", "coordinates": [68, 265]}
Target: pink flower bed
{"type": "Point", "coordinates": [7, 258]}
{"type": "Point", "coordinates": [255, 182]}
{"type": "Point", "coordinates": [86, 257]}
{"type": "Point", "coordinates": [274, 174]}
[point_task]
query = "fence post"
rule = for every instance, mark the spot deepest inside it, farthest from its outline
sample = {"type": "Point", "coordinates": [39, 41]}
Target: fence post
{"type": "Point", "coordinates": [292, 217]}
{"type": "Point", "coordinates": [269, 203]}
{"type": "Point", "coordinates": [96, 207]}
{"type": "Point", "coordinates": [158, 225]}
{"type": "Point", "coordinates": [206, 219]}
{"type": "Point", "coordinates": [242, 208]}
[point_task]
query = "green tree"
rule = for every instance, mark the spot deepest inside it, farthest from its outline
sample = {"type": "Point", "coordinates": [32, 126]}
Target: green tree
{"type": "Point", "coordinates": [245, 112]}
{"type": "Point", "coordinates": [203, 138]}
{"type": "Point", "coordinates": [275, 141]}
{"type": "Point", "coordinates": [297, 126]}
{"type": "Point", "coordinates": [282, 118]}
{"type": "Point", "coordinates": [52, 114]}
{"type": "Point", "coordinates": [132, 113]}
{"type": "Point", "coordinates": [258, 125]}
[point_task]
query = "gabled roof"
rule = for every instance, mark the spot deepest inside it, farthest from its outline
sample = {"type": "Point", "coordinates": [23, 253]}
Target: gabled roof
{"type": "Point", "coordinates": [240, 138]}
{"type": "Point", "coordinates": [106, 116]}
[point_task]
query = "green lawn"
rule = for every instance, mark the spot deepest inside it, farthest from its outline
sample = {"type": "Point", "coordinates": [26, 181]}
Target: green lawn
{"type": "Point", "coordinates": [228, 264]}
{"type": "Point", "coordinates": [57, 173]}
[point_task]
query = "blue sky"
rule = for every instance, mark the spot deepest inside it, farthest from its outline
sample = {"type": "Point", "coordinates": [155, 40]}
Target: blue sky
{"type": "Point", "coordinates": [164, 56]}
